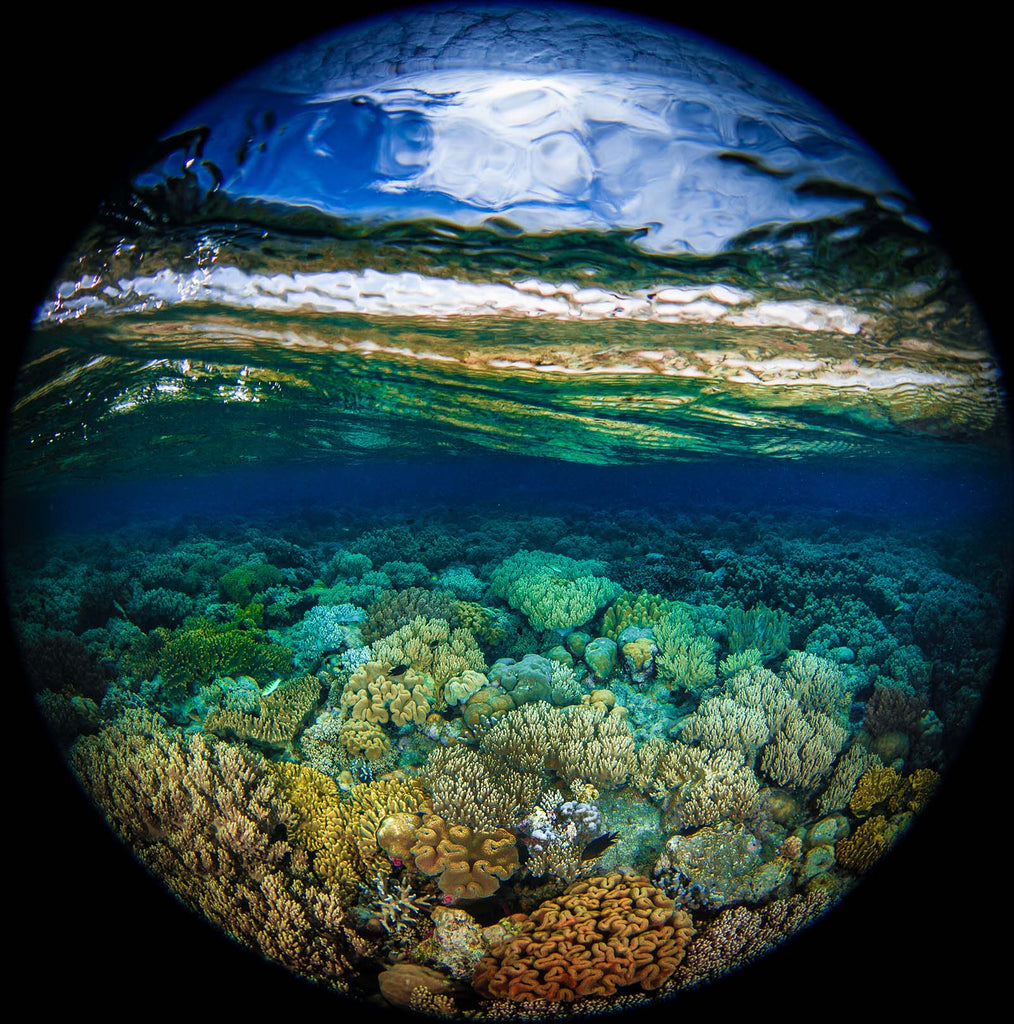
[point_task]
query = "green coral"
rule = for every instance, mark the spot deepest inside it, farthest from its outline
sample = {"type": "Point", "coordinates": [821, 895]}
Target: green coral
{"type": "Point", "coordinates": [201, 650]}
{"type": "Point", "coordinates": [242, 584]}
{"type": "Point", "coordinates": [553, 591]}
{"type": "Point", "coordinates": [642, 610]}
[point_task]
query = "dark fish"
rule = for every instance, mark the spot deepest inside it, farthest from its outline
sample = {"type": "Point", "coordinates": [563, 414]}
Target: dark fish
{"type": "Point", "coordinates": [398, 670]}
{"type": "Point", "coordinates": [524, 854]}
{"type": "Point", "coordinates": [599, 845]}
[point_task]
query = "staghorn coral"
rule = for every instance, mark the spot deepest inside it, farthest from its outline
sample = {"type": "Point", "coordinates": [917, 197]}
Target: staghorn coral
{"type": "Point", "coordinates": [696, 786]}
{"type": "Point", "coordinates": [588, 742]}
{"type": "Point", "coordinates": [817, 684]}
{"type": "Point", "coordinates": [914, 791]}
{"type": "Point", "coordinates": [556, 832]}
{"type": "Point", "coordinates": [685, 659]}
{"type": "Point", "coordinates": [723, 723]}
{"type": "Point", "coordinates": [279, 716]}
{"type": "Point", "coordinates": [431, 648]}
{"type": "Point", "coordinates": [802, 749]}
{"type": "Point", "coordinates": [206, 817]}
{"type": "Point", "coordinates": [373, 695]}
{"type": "Point", "coordinates": [740, 935]}
{"type": "Point", "coordinates": [851, 765]}
{"type": "Point", "coordinates": [603, 934]}
{"type": "Point", "coordinates": [340, 832]}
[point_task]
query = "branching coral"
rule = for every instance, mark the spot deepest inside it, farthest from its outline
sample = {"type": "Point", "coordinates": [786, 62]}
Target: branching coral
{"type": "Point", "coordinates": [644, 609]}
{"type": "Point", "coordinates": [584, 742]}
{"type": "Point", "coordinates": [431, 647]}
{"type": "Point", "coordinates": [207, 818]}
{"type": "Point", "coordinates": [396, 608]}
{"type": "Point", "coordinates": [760, 628]}
{"type": "Point", "coordinates": [603, 934]}
{"type": "Point", "coordinates": [696, 786]}
{"type": "Point", "coordinates": [478, 789]}
{"type": "Point", "coordinates": [740, 935]}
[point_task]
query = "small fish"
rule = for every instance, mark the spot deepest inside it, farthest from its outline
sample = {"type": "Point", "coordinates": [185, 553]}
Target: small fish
{"type": "Point", "coordinates": [398, 670]}
{"type": "Point", "coordinates": [599, 845]}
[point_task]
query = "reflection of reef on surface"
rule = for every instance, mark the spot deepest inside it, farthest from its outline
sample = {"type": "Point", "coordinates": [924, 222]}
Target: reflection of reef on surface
{"type": "Point", "coordinates": [687, 740]}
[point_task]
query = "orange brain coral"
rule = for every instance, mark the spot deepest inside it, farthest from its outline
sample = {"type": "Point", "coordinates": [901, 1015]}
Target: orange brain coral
{"type": "Point", "coordinates": [601, 935]}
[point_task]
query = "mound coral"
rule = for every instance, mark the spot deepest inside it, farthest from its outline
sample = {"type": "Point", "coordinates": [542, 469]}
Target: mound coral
{"type": "Point", "coordinates": [553, 591]}
{"type": "Point", "coordinates": [603, 934]}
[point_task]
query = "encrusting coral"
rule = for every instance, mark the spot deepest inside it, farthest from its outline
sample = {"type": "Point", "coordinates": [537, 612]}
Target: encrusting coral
{"type": "Point", "coordinates": [603, 934]}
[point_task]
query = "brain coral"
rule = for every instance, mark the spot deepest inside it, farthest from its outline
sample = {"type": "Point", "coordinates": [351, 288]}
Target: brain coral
{"type": "Point", "coordinates": [602, 934]}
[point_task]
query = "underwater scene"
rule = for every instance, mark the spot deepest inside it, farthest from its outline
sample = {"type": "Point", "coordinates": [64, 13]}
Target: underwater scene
{"type": "Point", "coordinates": [507, 515]}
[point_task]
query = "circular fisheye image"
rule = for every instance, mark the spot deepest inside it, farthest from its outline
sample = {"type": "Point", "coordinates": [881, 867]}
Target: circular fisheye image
{"type": "Point", "coordinates": [507, 516]}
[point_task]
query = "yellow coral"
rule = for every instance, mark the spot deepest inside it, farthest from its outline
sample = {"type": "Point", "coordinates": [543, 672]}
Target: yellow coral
{"type": "Point", "coordinates": [915, 791]}
{"type": "Point", "coordinates": [861, 850]}
{"type": "Point", "coordinates": [873, 787]}
{"type": "Point", "coordinates": [471, 862]}
{"type": "Point", "coordinates": [627, 610]}
{"type": "Point", "coordinates": [431, 648]}
{"type": "Point", "coordinates": [374, 695]}
{"type": "Point", "coordinates": [360, 738]}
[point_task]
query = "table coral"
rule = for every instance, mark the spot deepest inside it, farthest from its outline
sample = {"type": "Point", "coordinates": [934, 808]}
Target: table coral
{"type": "Point", "coordinates": [279, 717]}
{"type": "Point", "coordinates": [603, 934]}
